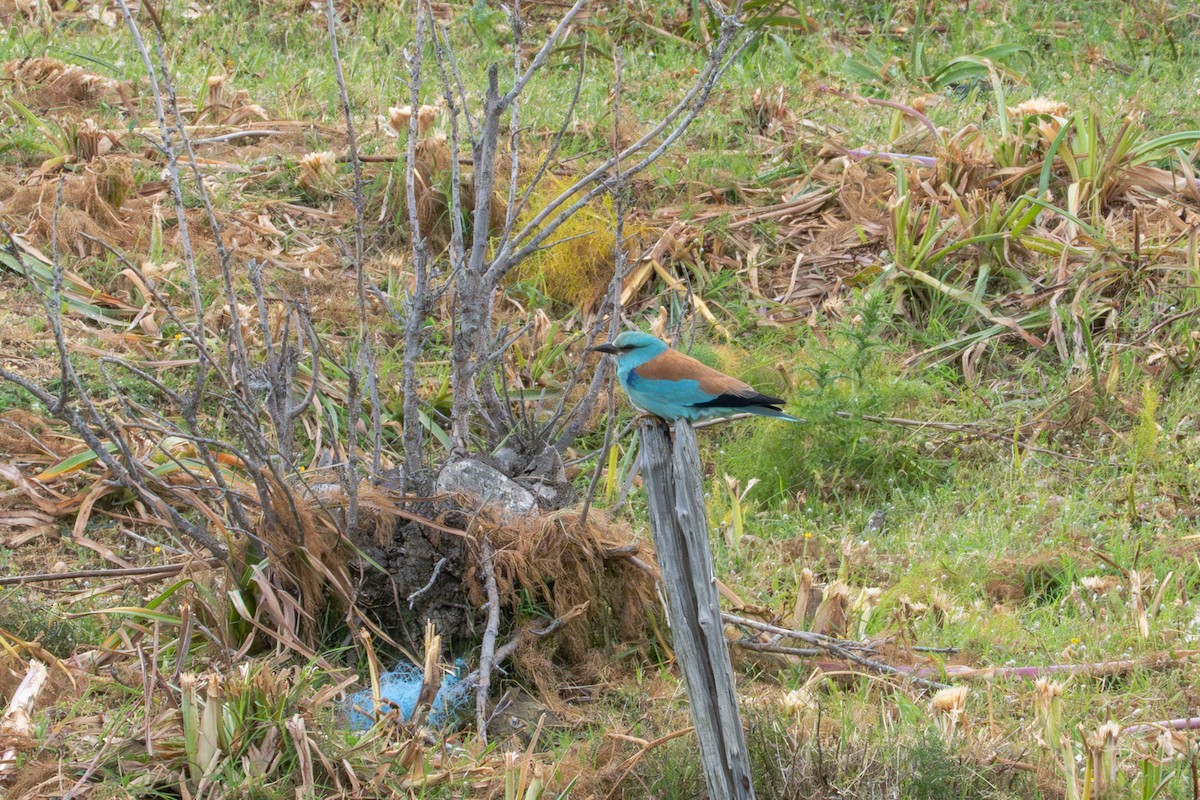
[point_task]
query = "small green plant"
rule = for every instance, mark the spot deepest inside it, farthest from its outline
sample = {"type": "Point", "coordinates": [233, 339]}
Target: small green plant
{"type": "Point", "coordinates": [837, 385]}
{"type": "Point", "coordinates": [1144, 444]}
{"type": "Point", "coordinates": [935, 772]}
{"type": "Point", "coordinates": [728, 507]}
{"type": "Point", "coordinates": [249, 730]}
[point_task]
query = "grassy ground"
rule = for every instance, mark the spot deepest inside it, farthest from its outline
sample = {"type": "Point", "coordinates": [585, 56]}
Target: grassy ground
{"type": "Point", "coordinates": [1047, 518]}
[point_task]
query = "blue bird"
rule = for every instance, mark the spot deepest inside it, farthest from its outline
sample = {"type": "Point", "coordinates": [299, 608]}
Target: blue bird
{"type": "Point", "coordinates": [671, 385]}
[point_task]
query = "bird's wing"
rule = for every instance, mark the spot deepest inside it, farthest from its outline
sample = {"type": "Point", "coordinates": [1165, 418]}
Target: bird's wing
{"type": "Point", "coordinates": [723, 390]}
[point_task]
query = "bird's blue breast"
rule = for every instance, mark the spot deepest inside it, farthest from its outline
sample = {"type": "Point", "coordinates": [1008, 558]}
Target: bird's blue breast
{"type": "Point", "coordinates": [669, 399]}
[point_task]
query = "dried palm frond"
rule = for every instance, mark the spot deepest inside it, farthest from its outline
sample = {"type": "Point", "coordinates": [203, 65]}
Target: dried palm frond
{"type": "Point", "coordinates": [66, 81]}
{"type": "Point", "coordinates": [318, 174]}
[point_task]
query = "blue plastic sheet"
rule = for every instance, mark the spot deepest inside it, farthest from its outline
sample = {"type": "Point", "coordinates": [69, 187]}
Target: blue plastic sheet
{"type": "Point", "coordinates": [399, 689]}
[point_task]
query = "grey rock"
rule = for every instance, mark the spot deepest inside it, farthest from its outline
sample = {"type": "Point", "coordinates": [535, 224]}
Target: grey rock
{"type": "Point", "coordinates": [547, 479]}
{"type": "Point", "coordinates": [509, 460]}
{"type": "Point", "coordinates": [479, 486]}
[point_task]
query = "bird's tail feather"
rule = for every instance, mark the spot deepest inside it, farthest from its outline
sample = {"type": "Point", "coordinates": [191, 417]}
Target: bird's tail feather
{"type": "Point", "coordinates": [768, 411]}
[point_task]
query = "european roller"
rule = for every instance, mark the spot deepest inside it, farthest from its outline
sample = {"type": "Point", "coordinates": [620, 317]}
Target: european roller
{"type": "Point", "coordinates": [671, 385]}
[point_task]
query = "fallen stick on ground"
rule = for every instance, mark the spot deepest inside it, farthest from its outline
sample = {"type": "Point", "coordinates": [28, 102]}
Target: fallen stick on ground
{"type": "Point", "coordinates": [1154, 661]}
{"type": "Point", "coordinates": [837, 647]}
{"type": "Point", "coordinates": [1099, 668]}
{"type": "Point", "coordinates": [162, 570]}
{"type": "Point", "coordinates": [958, 672]}
{"type": "Point", "coordinates": [968, 429]}
{"type": "Point", "coordinates": [847, 650]}
{"type": "Point", "coordinates": [628, 764]}
{"type": "Point", "coordinates": [783, 650]}
{"type": "Point", "coordinates": [1181, 724]}
{"type": "Point", "coordinates": [867, 152]}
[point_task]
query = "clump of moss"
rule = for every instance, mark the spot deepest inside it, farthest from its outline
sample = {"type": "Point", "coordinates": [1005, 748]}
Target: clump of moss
{"type": "Point", "coordinates": [577, 270]}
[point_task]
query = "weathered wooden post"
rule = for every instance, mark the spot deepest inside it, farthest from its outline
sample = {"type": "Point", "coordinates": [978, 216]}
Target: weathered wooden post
{"type": "Point", "coordinates": [679, 524]}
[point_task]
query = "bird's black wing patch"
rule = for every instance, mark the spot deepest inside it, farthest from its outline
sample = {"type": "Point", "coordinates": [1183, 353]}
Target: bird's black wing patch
{"type": "Point", "coordinates": [730, 400]}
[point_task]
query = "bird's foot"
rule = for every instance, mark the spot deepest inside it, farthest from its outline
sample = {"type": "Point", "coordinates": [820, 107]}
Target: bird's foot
{"type": "Point", "coordinates": [644, 416]}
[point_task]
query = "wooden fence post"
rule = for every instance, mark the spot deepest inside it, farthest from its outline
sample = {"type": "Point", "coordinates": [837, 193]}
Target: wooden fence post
{"type": "Point", "coordinates": [679, 524]}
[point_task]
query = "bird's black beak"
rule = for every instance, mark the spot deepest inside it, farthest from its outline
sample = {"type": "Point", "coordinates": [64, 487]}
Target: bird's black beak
{"type": "Point", "coordinates": [606, 348]}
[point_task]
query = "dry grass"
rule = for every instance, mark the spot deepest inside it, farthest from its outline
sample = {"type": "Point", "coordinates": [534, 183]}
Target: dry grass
{"type": "Point", "coordinates": [595, 582]}
{"type": "Point", "coordinates": [54, 84]}
{"type": "Point", "coordinates": [433, 176]}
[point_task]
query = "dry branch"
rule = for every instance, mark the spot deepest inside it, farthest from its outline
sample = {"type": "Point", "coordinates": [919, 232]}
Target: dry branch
{"type": "Point", "coordinates": [1180, 724]}
{"type": "Point", "coordinates": [487, 656]}
{"type": "Point", "coordinates": [161, 571]}
{"type": "Point", "coordinates": [1159, 661]}
{"type": "Point", "coordinates": [837, 647]}
{"type": "Point", "coordinates": [628, 764]}
{"type": "Point", "coordinates": [969, 429]}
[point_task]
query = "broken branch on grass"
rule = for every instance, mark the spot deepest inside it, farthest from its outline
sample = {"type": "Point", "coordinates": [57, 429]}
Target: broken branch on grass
{"type": "Point", "coordinates": [876, 101]}
{"type": "Point", "coordinates": [1097, 669]}
{"type": "Point", "coordinates": [968, 429]}
{"type": "Point", "coordinates": [747, 643]}
{"type": "Point", "coordinates": [867, 152]}
{"type": "Point", "coordinates": [837, 647]}
{"type": "Point", "coordinates": [160, 571]}
{"type": "Point", "coordinates": [631, 762]}
{"type": "Point", "coordinates": [1180, 724]}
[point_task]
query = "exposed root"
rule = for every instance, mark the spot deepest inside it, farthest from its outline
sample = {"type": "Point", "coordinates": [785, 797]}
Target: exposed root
{"type": "Point", "coordinates": [582, 577]}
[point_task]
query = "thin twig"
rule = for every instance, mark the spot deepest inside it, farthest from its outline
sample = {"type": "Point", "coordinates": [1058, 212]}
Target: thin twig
{"type": "Point", "coordinates": [242, 402]}
{"type": "Point", "coordinates": [766, 647]}
{"type": "Point", "coordinates": [362, 353]}
{"type": "Point", "coordinates": [502, 655]}
{"type": "Point", "coordinates": [555, 142]}
{"type": "Point", "coordinates": [437, 569]}
{"type": "Point", "coordinates": [631, 762]}
{"type": "Point", "coordinates": [875, 101]}
{"type": "Point", "coordinates": [620, 267]}
{"type": "Point", "coordinates": [416, 305]}
{"type": "Point", "coordinates": [678, 120]}
{"type": "Point", "coordinates": [1181, 724]}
